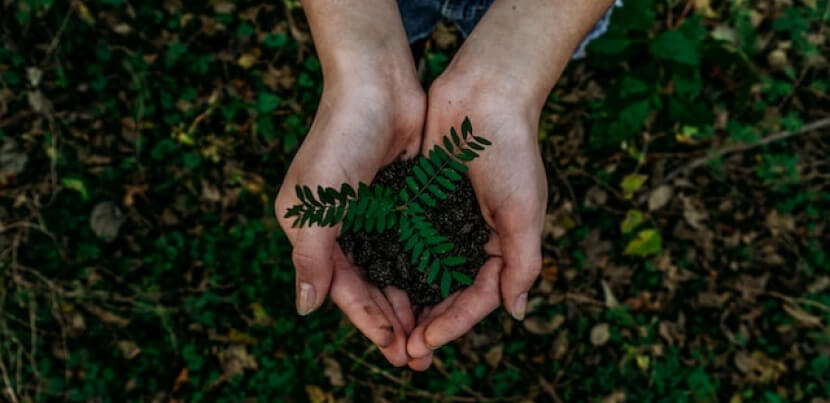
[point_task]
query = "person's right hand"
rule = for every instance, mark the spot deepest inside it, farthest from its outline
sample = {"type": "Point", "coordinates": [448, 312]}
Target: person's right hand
{"type": "Point", "coordinates": [364, 122]}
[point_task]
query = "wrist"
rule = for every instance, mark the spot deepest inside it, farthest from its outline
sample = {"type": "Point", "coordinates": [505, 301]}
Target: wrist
{"type": "Point", "coordinates": [495, 84]}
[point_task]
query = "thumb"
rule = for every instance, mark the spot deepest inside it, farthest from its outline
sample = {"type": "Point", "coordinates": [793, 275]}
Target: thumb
{"type": "Point", "coordinates": [313, 264]}
{"type": "Point", "coordinates": [522, 253]}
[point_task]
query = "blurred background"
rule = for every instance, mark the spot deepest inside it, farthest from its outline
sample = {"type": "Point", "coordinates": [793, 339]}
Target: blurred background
{"type": "Point", "coordinates": [142, 144]}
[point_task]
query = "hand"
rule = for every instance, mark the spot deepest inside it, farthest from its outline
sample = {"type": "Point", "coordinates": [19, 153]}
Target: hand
{"type": "Point", "coordinates": [511, 188]}
{"type": "Point", "coordinates": [359, 127]}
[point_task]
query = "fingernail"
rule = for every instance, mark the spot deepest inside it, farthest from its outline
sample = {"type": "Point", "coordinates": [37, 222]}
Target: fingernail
{"type": "Point", "coordinates": [305, 301]}
{"type": "Point", "coordinates": [520, 306]}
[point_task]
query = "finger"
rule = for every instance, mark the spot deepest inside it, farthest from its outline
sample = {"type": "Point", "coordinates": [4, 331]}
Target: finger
{"type": "Point", "coordinates": [522, 252]}
{"type": "Point", "coordinates": [421, 364]}
{"type": "Point", "coordinates": [313, 265]}
{"type": "Point", "coordinates": [416, 346]}
{"type": "Point", "coordinates": [471, 306]}
{"type": "Point", "coordinates": [402, 307]}
{"type": "Point", "coordinates": [395, 353]}
{"type": "Point", "coordinates": [493, 245]}
{"type": "Point", "coordinates": [350, 292]}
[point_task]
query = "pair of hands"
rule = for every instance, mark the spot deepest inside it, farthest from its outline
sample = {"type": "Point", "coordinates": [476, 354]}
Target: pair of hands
{"type": "Point", "coordinates": [361, 127]}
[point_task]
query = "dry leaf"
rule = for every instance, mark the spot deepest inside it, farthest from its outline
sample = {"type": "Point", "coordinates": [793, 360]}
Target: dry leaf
{"type": "Point", "coordinates": [659, 197]}
{"type": "Point", "coordinates": [128, 349]}
{"type": "Point", "coordinates": [105, 221]}
{"type": "Point", "coordinates": [802, 316]}
{"type": "Point", "coordinates": [539, 326]}
{"type": "Point", "coordinates": [106, 316]}
{"type": "Point", "coordinates": [318, 395]}
{"type": "Point", "coordinates": [12, 159]}
{"type": "Point", "coordinates": [600, 334]}
{"type": "Point", "coordinates": [610, 299]}
{"type": "Point", "coordinates": [494, 355]}
{"type": "Point", "coordinates": [236, 359]}
{"type": "Point", "coordinates": [333, 372]}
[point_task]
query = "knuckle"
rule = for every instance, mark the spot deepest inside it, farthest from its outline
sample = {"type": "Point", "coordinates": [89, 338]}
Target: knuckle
{"type": "Point", "coordinates": [303, 259]}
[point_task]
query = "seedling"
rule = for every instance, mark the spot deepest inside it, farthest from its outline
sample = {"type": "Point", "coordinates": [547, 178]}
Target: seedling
{"type": "Point", "coordinates": [377, 208]}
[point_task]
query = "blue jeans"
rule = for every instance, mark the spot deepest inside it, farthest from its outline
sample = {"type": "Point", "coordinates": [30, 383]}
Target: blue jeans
{"type": "Point", "coordinates": [421, 16]}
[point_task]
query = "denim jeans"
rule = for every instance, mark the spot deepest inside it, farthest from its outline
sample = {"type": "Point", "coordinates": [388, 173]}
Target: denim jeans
{"type": "Point", "coordinates": [421, 16]}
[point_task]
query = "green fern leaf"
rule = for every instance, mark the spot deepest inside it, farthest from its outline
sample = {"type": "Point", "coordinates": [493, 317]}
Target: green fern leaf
{"type": "Point", "coordinates": [416, 208]}
{"type": "Point", "coordinates": [455, 139]}
{"type": "Point", "coordinates": [466, 127]}
{"type": "Point", "coordinates": [410, 244]}
{"type": "Point", "coordinates": [404, 195]}
{"type": "Point", "coordinates": [412, 185]}
{"type": "Point", "coordinates": [445, 183]}
{"type": "Point", "coordinates": [457, 166]}
{"type": "Point", "coordinates": [300, 194]}
{"type": "Point", "coordinates": [338, 214]}
{"type": "Point", "coordinates": [441, 153]}
{"type": "Point", "coordinates": [310, 196]}
{"type": "Point", "coordinates": [447, 144]}
{"type": "Point", "coordinates": [437, 192]}
{"type": "Point", "coordinates": [358, 223]}
{"type": "Point", "coordinates": [362, 203]}
{"type": "Point", "coordinates": [453, 261]}
{"type": "Point", "coordinates": [347, 190]}
{"type": "Point", "coordinates": [324, 196]}
{"type": "Point", "coordinates": [482, 140]}
{"type": "Point", "coordinates": [475, 146]}
{"type": "Point", "coordinates": [422, 264]}
{"type": "Point", "coordinates": [446, 282]}
{"type": "Point", "coordinates": [416, 253]}
{"type": "Point", "coordinates": [434, 268]}
{"type": "Point", "coordinates": [461, 277]}
{"type": "Point", "coordinates": [426, 165]}
{"type": "Point", "coordinates": [443, 248]}
{"type": "Point", "coordinates": [426, 198]}
{"type": "Point", "coordinates": [420, 174]}
{"type": "Point", "coordinates": [451, 175]}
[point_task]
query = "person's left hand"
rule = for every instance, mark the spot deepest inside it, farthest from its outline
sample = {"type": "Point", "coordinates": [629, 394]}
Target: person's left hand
{"type": "Point", "coordinates": [511, 188]}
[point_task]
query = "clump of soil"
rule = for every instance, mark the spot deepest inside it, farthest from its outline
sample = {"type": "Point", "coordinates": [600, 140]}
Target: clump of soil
{"type": "Point", "coordinates": [387, 263]}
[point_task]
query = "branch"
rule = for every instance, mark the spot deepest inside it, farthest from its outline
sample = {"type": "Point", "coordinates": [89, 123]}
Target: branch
{"type": "Point", "coordinates": [697, 163]}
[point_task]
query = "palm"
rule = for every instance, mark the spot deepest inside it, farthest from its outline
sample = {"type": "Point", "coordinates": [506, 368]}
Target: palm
{"type": "Point", "coordinates": [511, 188]}
{"type": "Point", "coordinates": [352, 137]}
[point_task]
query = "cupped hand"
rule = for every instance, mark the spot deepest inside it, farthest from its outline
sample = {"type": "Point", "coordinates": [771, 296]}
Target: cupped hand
{"type": "Point", "coordinates": [511, 187]}
{"type": "Point", "coordinates": [359, 128]}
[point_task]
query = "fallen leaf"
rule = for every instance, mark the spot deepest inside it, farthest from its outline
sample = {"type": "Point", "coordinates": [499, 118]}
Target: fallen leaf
{"type": "Point", "coordinates": [318, 395]}
{"type": "Point", "coordinates": [617, 396]}
{"type": "Point", "coordinates": [600, 334]}
{"type": "Point", "coordinates": [610, 299]}
{"type": "Point", "coordinates": [128, 349]}
{"type": "Point", "coordinates": [12, 159]}
{"type": "Point", "coordinates": [236, 359]}
{"type": "Point", "coordinates": [181, 379]}
{"type": "Point", "coordinates": [539, 326]}
{"type": "Point", "coordinates": [659, 197]}
{"type": "Point", "coordinates": [494, 355]}
{"type": "Point", "coordinates": [632, 183]}
{"type": "Point", "coordinates": [632, 220]}
{"type": "Point", "coordinates": [106, 220]}
{"type": "Point", "coordinates": [333, 372]}
{"type": "Point", "coordinates": [647, 242]}
{"type": "Point", "coordinates": [106, 316]}
{"type": "Point", "coordinates": [803, 317]}
{"type": "Point", "coordinates": [693, 214]}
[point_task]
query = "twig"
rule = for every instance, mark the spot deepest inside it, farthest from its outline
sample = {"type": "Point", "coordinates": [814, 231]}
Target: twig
{"type": "Point", "coordinates": [56, 40]}
{"type": "Point", "coordinates": [564, 179]}
{"type": "Point", "coordinates": [697, 163]}
{"type": "Point", "coordinates": [549, 389]}
{"type": "Point", "coordinates": [374, 368]}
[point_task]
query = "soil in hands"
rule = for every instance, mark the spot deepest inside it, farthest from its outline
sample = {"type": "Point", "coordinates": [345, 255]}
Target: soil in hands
{"type": "Point", "coordinates": [387, 263]}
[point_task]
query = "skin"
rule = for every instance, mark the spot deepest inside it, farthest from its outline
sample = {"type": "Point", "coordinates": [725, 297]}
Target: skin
{"type": "Point", "coordinates": [373, 111]}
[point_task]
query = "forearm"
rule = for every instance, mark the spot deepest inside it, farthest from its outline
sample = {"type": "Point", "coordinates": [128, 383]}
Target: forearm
{"type": "Point", "coordinates": [359, 38]}
{"type": "Point", "coordinates": [528, 42]}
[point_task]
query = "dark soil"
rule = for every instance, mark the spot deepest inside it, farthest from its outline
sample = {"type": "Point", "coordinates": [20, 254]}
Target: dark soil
{"type": "Point", "coordinates": [384, 259]}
